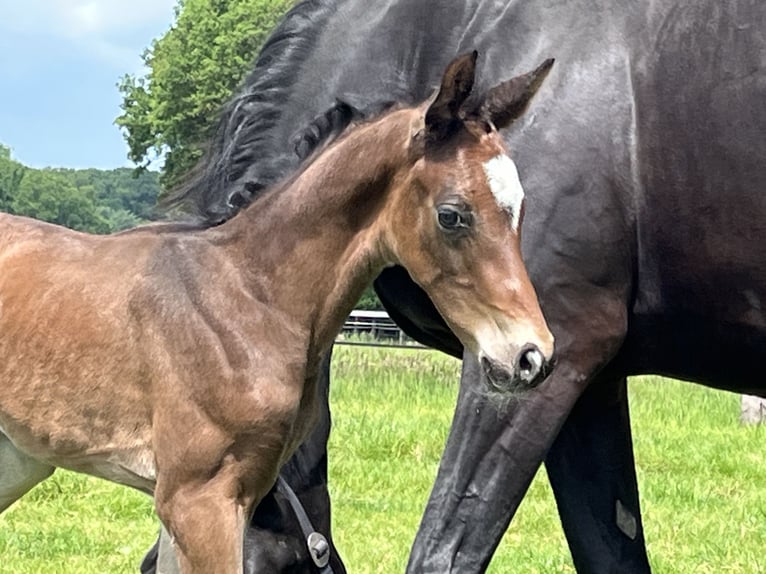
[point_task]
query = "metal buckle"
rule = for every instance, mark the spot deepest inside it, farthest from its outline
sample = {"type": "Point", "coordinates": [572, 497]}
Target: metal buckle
{"type": "Point", "coordinates": [319, 549]}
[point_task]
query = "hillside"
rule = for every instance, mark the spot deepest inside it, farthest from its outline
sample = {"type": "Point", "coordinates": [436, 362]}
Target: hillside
{"type": "Point", "coordinates": [98, 201]}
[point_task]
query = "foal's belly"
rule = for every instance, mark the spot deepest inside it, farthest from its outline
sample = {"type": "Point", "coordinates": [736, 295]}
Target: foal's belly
{"type": "Point", "coordinates": [128, 461]}
{"type": "Point", "coordinates": [134, 467]}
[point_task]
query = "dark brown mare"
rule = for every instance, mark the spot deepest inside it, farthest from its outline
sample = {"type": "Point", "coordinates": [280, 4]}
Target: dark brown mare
{"type": "Point", "coordinates": [121, 358]}
{"type": "Point", "coordinates": [645, 237]}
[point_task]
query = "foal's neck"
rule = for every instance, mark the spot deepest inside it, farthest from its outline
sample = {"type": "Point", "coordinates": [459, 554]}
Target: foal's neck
{"type": "Point", "coordinates": [314, 245]}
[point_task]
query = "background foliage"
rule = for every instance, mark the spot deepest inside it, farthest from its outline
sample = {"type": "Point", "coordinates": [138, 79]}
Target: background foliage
{"type": "Point", "coordinates": [90, 200]}
{"type": "Point", "coordinates": [192, 70]}
{"type": "Point", "coordinates": [167, 113]}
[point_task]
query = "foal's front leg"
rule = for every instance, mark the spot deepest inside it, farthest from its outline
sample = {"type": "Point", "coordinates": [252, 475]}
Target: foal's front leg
{"type": "Point", "coordinates": [207, 526]}
{"type": "Point", "coordinates": [207, 516]}
{"type": "Point", "coordinates": [206, 492]}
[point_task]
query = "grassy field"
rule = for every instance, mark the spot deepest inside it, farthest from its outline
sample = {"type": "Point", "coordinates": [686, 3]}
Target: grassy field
{"type": "Point", "coordinates": [703, 483]}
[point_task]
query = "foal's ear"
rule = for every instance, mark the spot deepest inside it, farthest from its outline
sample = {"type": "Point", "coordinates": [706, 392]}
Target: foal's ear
{"type": "Point", "coordinates": [507, 101]}
{"type": "Point", "coordinates": [443, 115]}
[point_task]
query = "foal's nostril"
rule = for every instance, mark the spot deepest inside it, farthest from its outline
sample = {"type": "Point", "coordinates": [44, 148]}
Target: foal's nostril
{"type": "Point", "coordinates": [530, 364]}
{"type": "Point", "coordinates": [526, 372]}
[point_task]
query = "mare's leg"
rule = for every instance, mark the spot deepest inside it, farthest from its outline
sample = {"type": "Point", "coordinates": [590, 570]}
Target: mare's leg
{"type": "Point", "coordinates": [592, 471]}
{"type": "Point", "coordinates": [492, 453]}
{"type": "Point", "coordinates": [18, 472]}
{"type": "Point", "coordinates": [167, 562]}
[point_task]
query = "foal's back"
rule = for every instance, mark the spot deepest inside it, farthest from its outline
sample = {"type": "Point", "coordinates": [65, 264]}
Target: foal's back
{"type": "Point", "coordinates": [73, 311]}
{"type": "Point", "coordinates": [125, 331]}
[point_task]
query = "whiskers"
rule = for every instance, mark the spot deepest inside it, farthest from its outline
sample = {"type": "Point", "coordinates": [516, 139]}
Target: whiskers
{"type": "Point", "coordinates": [502, 401]}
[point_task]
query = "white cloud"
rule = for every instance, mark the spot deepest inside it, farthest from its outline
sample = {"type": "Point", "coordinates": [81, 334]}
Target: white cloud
{"type": "Point", "coordinates": [105, 28]}
{"type": "Point", "coordinates": [88, 18]}
{"type": "Point", "coordinates": [78, 18]}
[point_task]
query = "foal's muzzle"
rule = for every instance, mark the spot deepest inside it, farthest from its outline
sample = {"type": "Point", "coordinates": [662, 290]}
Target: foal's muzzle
{"type": "Point", "coordinates": [529, 369]}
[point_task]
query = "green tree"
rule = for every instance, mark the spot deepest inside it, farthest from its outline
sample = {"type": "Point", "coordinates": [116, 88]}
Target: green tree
{"type": "Point", "coordinates": [192, 70]}
{"type": "Point", "coordinates": [369, 300]}
{"type": "Point", "coordinates": [49, 196]}
{"type": "Point", "coordinates": [91, 200]}
{"type": "Point", "coordinates": [124, 198]}
{"type": "Point", "coordinates": [11, 174]}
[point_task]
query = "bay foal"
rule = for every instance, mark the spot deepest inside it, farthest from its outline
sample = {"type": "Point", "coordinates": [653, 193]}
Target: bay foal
{"type": "Point", "coordinates": [182, 362]}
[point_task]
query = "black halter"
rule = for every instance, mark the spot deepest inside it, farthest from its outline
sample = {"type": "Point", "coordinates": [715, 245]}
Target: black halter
{"type": "Point", "coordinates": [319, 548]}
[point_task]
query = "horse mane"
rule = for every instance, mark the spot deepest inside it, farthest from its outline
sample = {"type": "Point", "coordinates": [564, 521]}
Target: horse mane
{"type": "Point", "coordinates": [214, 190]}
{"type": "Point", "coordinates": [322, 131]}
{"type": "Point", "coordinates": [325, 127]}
{"type": "Point", "coordinates": [328, 126]}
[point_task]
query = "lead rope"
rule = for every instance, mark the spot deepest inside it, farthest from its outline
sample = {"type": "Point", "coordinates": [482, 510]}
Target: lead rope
{"type": "Point", "coordinates": [319, 548]}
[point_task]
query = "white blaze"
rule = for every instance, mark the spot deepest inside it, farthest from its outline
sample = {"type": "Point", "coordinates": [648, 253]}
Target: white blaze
{"type": "Point", "coordinates": [503, 178]}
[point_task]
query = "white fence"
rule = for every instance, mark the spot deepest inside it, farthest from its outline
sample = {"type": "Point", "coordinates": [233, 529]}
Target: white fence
{"type": "Point", "coordinates": [753, 410]}
{"type": "Point", "coordinates": [374, 329]}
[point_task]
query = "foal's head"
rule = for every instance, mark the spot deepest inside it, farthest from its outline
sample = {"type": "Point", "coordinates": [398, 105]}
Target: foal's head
{"type": "Point", "coordinates": [457, 227]}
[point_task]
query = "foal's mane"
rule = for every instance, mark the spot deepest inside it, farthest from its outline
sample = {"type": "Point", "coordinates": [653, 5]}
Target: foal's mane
{"type": "Point", "coordinates": [309, 143]}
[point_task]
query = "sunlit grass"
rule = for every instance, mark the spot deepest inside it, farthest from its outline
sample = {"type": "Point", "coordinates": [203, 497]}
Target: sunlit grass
{"type": "Point", "coordinates": [702, 475]}
{"type": "Point", "coordinates": [76, 524]}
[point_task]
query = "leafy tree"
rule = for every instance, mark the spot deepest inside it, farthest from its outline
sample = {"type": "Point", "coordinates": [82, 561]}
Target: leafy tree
{"type": "Point", "coordinates": [369, 300]}
{"type": "Point", "coordinates": [47, 195]}
{"type": "Point", "coordinates": [124, 197]}
{"type": "Point", "coordinates": [193, 69]}
{"type": "Point", "coordinates": [11, 174]}
{"type": "Point", "coordinates": [87, 199]}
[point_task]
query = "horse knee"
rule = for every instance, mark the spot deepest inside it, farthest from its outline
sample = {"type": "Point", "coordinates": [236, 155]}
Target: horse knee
{"type": "Point", "coordinates": [206, 528]}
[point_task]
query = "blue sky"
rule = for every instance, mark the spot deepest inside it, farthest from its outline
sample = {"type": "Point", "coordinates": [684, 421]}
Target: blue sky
{"type": "Point", "coordinates": [60, 61]}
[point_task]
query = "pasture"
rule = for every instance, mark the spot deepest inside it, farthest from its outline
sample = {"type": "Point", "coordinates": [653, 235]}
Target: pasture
{"type": "Point", "coordinates": [702, 477]}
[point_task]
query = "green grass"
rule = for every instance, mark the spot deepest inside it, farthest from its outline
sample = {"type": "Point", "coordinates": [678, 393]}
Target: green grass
{"type": "Point", "coordinates": [702, 476]}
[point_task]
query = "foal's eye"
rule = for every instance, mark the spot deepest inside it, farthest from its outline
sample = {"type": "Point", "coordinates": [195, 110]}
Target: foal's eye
{"type": "Point", "coordinates": [451, 218]}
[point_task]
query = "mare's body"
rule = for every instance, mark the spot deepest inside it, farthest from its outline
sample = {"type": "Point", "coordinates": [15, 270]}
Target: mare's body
{"type": "Point", "coordinates": [645, 236]}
